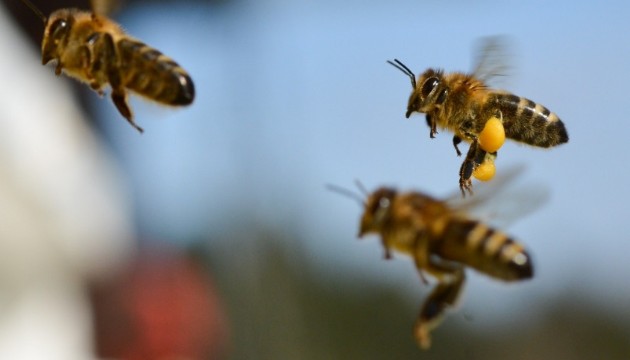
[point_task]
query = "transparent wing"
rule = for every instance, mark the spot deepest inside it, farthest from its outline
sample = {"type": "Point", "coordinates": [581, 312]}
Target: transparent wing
{"type": "Point", "coordinates": [492, 58]}
{"type": "Point", "coordinates": [500, 202]}
{"type": "Point", "coordinates": [105, 7]}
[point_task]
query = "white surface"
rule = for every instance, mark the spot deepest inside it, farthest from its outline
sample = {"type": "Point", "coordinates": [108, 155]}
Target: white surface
{"type": "Point", "coordinates": [63, 216]}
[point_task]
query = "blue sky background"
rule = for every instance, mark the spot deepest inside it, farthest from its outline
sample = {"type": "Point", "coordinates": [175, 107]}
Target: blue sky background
{"type": "Point", "coordinates": [293, 95]}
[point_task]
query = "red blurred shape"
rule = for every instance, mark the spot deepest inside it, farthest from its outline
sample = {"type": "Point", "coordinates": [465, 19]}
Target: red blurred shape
{"type": "Point", "coordinates": [164, 307]}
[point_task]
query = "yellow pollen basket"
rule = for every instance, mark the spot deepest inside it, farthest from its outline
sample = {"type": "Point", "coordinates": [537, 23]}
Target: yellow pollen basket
{"type": "Point", "coordinates": [492, 136]}
{"type": "Point", "coordinates": [486, 170]}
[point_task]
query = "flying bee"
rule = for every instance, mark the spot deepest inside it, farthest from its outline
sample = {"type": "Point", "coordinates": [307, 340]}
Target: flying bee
{"type": "Point", "coordinates": [463, 103]}
{"type": "Point", "coordinates": [94, 49]}
{"type": "Point", "coordinates": [443, 239]}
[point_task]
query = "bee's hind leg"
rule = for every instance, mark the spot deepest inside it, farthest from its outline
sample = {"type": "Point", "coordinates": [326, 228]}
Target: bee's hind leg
{"type": "Point", "coordinates": [444, 296]}
{"type": "Point", "coordinates": [456, 141]}
{"type": "Point", "coordinates": [120, 100]}
{"type": "Point", "coordinates": [432, 125]}
{"type": "Point", "coordinates": [474, 158]}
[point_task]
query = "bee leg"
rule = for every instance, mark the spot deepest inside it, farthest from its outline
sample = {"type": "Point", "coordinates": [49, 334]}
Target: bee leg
{"type": "Point", "coordinates": [474, 158]}
{"type": "Point", "coordinates": [93, 66]}
{"type": "Point", "coordinates": [444, 296]}
{"type": "Point", "coordinates": [58, 68]}
{"type": "Point", "coordinates": [432, 125]}
{"type": "Point", "coordinates": [105, 60]}
{"type": "Point", "coordinates": [387, 255]}
{"type": "Point", "coordinates": [456, 141]}
{"type": "Point", "coordinates": [119, 97]}
{"type": "Point", "coordinates": [97, 87]}
{"type": "Point", "coordinates": [421, 255]}
{"type": "Point", "coordinates": [120, 100]}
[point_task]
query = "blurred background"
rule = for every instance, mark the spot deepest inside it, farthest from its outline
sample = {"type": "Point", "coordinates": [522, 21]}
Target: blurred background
{"type": "Point", "coordinates": [212, 236]}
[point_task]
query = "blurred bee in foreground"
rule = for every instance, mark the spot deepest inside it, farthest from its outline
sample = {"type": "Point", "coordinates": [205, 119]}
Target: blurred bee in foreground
{"type": "Point", "coordinates": [443, 239]}
{"type": "Point", "coordinates": [94, 49]}
{"type": "Point", "coordinates": [464, 104]}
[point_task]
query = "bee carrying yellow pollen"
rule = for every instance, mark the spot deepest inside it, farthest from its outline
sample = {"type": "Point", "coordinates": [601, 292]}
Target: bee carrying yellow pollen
{"type": "Point", "coordinates": [464, 104]}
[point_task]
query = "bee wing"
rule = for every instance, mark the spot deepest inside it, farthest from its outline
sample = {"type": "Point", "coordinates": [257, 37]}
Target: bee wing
{"type": "Point", "coordinates": [105, 7]}
{"type": "Point", "coordinates": [500, 203]}
{"type": "Point", "coordinates": [491, 58]}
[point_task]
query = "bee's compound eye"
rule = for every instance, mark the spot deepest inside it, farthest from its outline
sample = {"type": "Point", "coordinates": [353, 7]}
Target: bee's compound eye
{"type": "Point", "coordinates": [428, 86]}
{"type": "Point", "coordinates": [59, 28]}
{"type": "Point", "coordinates": [485, 171]}
{"type": "Point", "coordinates": [492, 136]}
{"type": "Point", "coordinates": [59, 25]}
{"type": "Point", "coordinates": [383, 203]}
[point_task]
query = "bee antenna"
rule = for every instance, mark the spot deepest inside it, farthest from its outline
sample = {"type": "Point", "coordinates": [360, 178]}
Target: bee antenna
{"type": "Point", "coordinates": [402, 67]}
{"type": "Point", "coordinates": [347, 193]}
{"type": "Point", "coordinates": [361, 188]}
{"type": "Point", "coordinates": [37, 12]}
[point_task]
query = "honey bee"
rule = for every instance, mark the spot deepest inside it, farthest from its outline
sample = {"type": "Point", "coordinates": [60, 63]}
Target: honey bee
{"type": "Point", "coordinates": [94, 49]}
{"type": "Point", "coordinates": [443, 239]}
{"type": "Point", "coordinates": [463, 103]}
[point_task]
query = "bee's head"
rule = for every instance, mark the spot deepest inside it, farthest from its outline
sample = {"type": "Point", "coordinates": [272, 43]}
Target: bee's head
{"type": "Point", "coordinates": [56, 35]}
{"type": "Point", "coordinates": [429, 93]}
{"type": "Point", "coordinates": [377, 210]}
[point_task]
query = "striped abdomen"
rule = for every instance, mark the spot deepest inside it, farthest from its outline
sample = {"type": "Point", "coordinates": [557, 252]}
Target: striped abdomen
{"type": "Point", "coordinates": [151, 74]}
{"type": "Point", "coordinates": [489, 251]}
{"type": "Point", "coordinates": [528, 122]}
